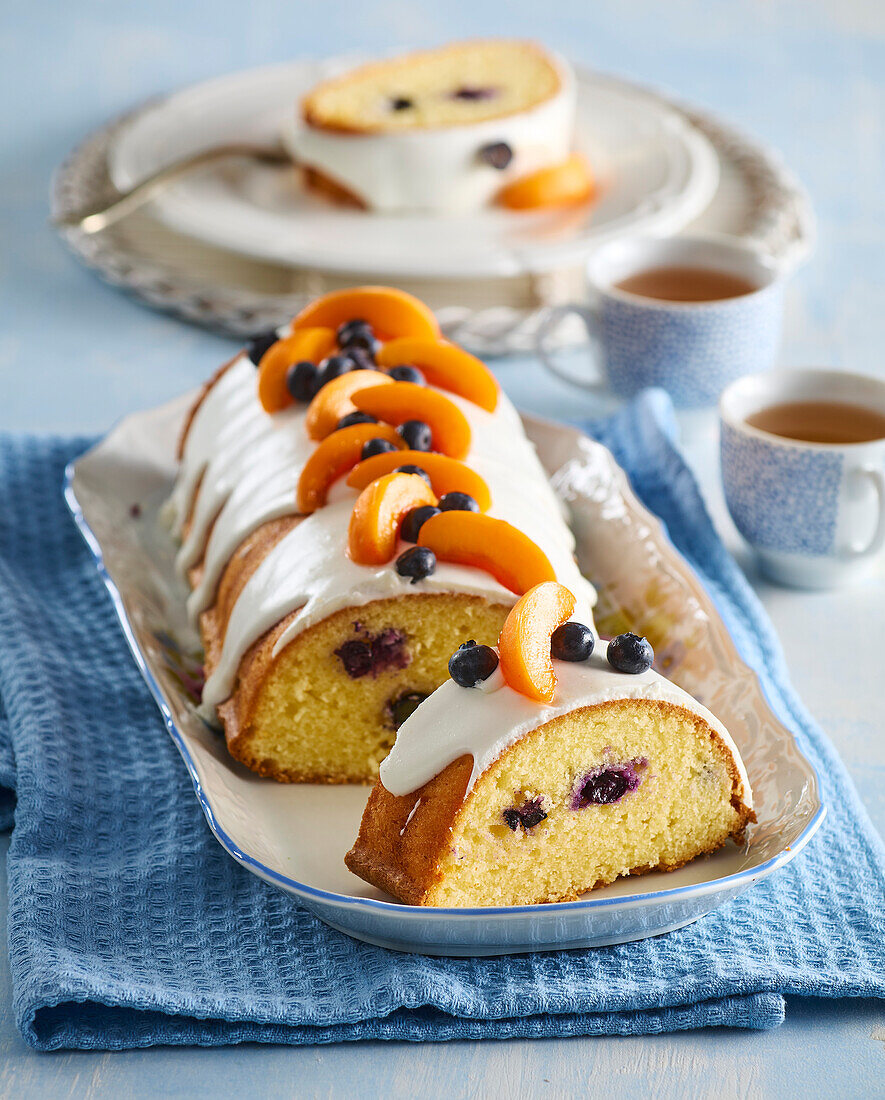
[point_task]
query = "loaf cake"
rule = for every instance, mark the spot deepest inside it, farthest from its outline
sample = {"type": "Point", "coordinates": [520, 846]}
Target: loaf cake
{"type": "Point", "coordinates": [444, 130]}
{"type": "Point", "coordinates": [334, 558]}
{"type": "Point", "coordinates": [526, 780]}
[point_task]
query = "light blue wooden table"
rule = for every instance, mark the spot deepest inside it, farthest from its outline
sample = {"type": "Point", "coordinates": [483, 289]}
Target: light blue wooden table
{"type": "Point", "coordinates": [807, 76]}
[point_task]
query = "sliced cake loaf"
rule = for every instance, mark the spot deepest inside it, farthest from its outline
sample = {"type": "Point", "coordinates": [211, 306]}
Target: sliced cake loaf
{"type": "Point", "coordinates": [348, 513]}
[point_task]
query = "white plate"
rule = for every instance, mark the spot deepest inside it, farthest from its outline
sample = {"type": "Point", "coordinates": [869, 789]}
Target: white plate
{"type": "Point", "coordinates": [295, 836]}
{"type": "Point", "coordinates": [656, 173]}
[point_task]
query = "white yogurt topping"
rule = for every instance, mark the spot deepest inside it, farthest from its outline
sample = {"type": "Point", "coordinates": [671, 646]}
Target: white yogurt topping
{"type": "Point", "coordinates": [456, 721]}
{"type": "Point", "coordinates": [440, 169]}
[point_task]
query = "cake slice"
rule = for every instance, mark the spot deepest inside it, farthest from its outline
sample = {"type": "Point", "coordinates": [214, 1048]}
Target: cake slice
{"type": "Point", "coordinates": [526, 779]}
{"type": "Point", "coordinates": [438, 130]}
{"type": "Point", "coordinates": [455, 85]}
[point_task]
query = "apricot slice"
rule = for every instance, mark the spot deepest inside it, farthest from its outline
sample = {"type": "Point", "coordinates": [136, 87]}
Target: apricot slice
{"type": "Point", "coordinates": [524, 644]}
{"type": "Point", "coordinates": [336, 454]}
{"type": "Point", "coordinates": [378, 513]}
{"type": "Point", "coordinates": [447, 475]}
{"type": "Point", "coordinates": [402, 401]}
{"type": "Point", "coordinates": [335, 400]}
{"type": "Point", "coordinates": [312, 344]}
{"type": "Point", "coordinates": [389, 311]}
{"type": "Point", "coordinates": [444, 365]}
{"type": "Point", "coordinates": [565, 184]}
{"type": "Point", "coordinates": [470, 538]}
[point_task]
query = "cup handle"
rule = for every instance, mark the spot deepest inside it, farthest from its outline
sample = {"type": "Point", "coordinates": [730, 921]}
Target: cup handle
{"type": "Point", "coordinates": [596, 383]}
{"type": "Point", "coordinates": [876, 478]}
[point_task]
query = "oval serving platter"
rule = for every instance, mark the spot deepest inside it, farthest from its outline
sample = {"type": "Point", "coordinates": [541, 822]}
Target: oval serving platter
{"type": "Point", "coordinates": [295, 836]}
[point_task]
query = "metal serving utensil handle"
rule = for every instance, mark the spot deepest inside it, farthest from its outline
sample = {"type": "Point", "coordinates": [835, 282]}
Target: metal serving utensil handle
{"type": "Point", "coordinates": [96, 218]}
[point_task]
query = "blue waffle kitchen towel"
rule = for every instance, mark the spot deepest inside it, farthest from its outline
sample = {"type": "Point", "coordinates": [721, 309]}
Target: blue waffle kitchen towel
{"type": "Point", "coordinates": [129, 926]}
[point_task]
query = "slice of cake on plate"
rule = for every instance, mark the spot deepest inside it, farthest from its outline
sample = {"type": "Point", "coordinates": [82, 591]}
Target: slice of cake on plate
{"type": "Point", "coordinates": [450, 129]}
{"type": "Point", "coordinates": [549, 766]}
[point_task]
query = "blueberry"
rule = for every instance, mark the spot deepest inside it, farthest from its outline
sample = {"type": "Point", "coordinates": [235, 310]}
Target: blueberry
{"type": "Point", "coordinates": [355, 418]}
{"type": "Point", "coordinates": [417, 435]}
{"type": "Point", "coordinates": [417, 563]}
{"type": "Point", "coordinates": [404, 373]}
{"type": "Point", "coordinates": [470, 664]}
{"type": "Point", "coordinates": [350, 328]}
{"type": "Point", "coordinates": [469, 93]}
{"type": "Point", "coordinates": [356, 656]}
{"type": "Point", "coordinates": [371, 654]}
{"type": "Point", "coordinates": [301, 380]}
{"type": "Point", "coordinates": [630, 653]}
{"type": "Point", "coordinates": [376, 447]}
{"type": "Point", "coordinates": [457, 502]}
{"type": "Point", "coordinates": [605, 788]}
{"type": "Point", "coordinates": [408, 469]}
{"type": "Point", "coordinates": [531, 814]}
{"type": "Point", "coordinates": [333, 367]}
{"type": "Point", "coordinates": [415, 520]}
{"type": "Point", "coordinates": [405, 706]}
{"type": "Point", "coordinates": [362, 340]}
{"type": "Point", "coordinates": [258, 344]}
{"type": "Point", "coordinates": [401, 103]}
{"type": "Point", "coordinates": [496, 154]}
{"type": "Point", "coordinates": [360, 358]}
{"type": "Point", "coordinates": [572, 642]}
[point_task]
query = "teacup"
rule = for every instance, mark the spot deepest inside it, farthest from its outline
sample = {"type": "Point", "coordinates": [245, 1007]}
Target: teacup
{"type": "Point", "coordinates": [693, 349]}
{"type": "Point", "coordinates": [814, 512]}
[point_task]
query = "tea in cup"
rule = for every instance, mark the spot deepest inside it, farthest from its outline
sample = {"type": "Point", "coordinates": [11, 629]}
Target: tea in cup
{"type": "Point", "coordinates": [803, 467]}
{"type": "Point", "coordinates": [689, 314]}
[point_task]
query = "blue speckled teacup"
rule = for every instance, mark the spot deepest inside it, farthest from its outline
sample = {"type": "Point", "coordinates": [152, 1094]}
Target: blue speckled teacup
{"type": "Point", "coordinates": [691, 349]}
{"type": "Point", "coordinates": [813, 512]}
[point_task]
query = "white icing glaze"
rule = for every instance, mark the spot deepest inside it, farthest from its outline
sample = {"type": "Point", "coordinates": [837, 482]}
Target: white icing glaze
{"type": "Point", "coordinates": [227, 399]}
{"type": "Point", "coordinates": [240, 469]}
{"type": "Point", "coordinates": [439, 169]}
{"type": "Point", "coordinates": [456, 721]}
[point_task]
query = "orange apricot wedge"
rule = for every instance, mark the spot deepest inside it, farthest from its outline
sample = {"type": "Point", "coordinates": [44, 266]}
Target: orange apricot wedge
{"type": "Point", "coordinates": [378, 513]}
{"type": "Point", "coordinates": [335, 400]}
{"type": "Point", "coordinates": [447, 475]}
{"type": "Point", "coordinates": [336, 454]}
{"type": "Point", "coordinates": [402, 401]}
{"type": "Point", "coordinates": [564, 184]}
{"type": "Point", "coordinates": [499, 548]}
{"type": "Point", "coordinates": [524, 644]}
{"type": "Point", "coordinates": [312, 344]}
{"type": "Point", "coordinates": [389, 311]}
{"type": "Point", "coordinates": [444, 365]}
